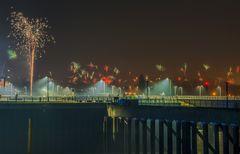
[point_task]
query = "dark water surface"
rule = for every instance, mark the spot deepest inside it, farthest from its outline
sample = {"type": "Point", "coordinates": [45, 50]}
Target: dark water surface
{"type": "Point", "coordinates": [56, 128]}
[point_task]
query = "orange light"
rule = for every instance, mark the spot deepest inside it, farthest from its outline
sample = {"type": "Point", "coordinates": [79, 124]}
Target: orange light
{"type": "Point", "coordinates": [107, 80]}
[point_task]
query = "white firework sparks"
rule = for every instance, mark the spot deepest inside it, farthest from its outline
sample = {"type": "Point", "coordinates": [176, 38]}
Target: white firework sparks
{"type": "Point", "coordinates": [29, 34]}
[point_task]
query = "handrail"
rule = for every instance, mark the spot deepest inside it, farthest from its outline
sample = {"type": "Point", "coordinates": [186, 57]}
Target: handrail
{"type": "Point", "coordinates": [187, 101]}
{"type": "Point", "coordinates": [111, 98]}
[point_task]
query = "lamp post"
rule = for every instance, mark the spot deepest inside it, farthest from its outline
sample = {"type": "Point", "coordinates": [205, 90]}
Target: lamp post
{"type": "Point", "coordinates": [103, 85]}
{"type": "Point", "coordinates": [93, 92]}
{"type": "Point", "coordinates": [149, 91]}
{"type": "Point", "coordinates": [219, 91]}
{"type": "Point", "coordinates": [147, 88]}
{"type": "Point", "coordinates": [175, 90]}
{"type": "Point", "coordinates": [53, 88]}
{"type": "Point", "coordinates": [200, 90]}
{"type": "Point", "coordinates": [112, 89]}
{"type": "Point", "coordinates": [181, 90]}
{"type": "Point", "coordinates": [57, 90]}
{"type": "Point", "coordinates": [104, 88]}
{"type": "Point", "coordinates": [48, 89]}
{"type": "Point", "coordinates": [11, 88]}
{"type": "Point", "coordinates": [170, 86]}
{"type": "Point", "coordinates": [227, 93]}
{"type": "Point", "coordinates": [120, 91]}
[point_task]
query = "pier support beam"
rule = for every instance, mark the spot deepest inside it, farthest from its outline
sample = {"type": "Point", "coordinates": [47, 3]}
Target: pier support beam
{"type": "Point", "coordinates": [152, 138]}
{"type": "Point", "coordinates": [137, 137]}
{"type": "Point", "coordinates": [161, 137]}
{"type": "Point", "coordinates": [178, 137]}
{"type": "Point", "coordinates": [235, 130]}
{"type": "Point", "coordinates": [144, 135]}
{"type": "Point", "coordinates": [186, 148]}
{"type": "Point", "coordinates": [194, 137]}
{"type": "Point", "coordinates": [225, 139]}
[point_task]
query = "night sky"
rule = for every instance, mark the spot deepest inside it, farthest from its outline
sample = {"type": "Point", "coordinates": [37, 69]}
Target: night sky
{"type": "Point", "coordinates": [134, 36]}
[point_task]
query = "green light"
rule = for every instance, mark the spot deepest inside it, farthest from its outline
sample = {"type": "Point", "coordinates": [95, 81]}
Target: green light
{"type": "Point", "coordinates": [11, 54]}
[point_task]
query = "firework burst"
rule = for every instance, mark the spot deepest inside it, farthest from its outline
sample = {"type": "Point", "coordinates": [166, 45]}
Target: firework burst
{"type": "Point", "coordinates": [92, 73]}
{"type": "Point", "coordinates": [29, 34]}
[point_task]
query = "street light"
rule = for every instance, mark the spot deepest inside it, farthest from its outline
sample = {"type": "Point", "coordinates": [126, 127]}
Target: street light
{"type": "Point", "coordinates": [175, 90]}
{"type": "Point", "coordinates": [112, 89]}
{"type": "Point", "coordinates": [48, 88]}
{"type": "Point", "coordinates": [147, 82]}
{"type": "Point", "coordinates": [227, 92]}
{"type": "Point", "coordinates": [11, 88]}
{"type": "Point", "coordinates": [181, 90]}
{"type": "Point", "coordinates": [219, 90]}
{"type": "Point", "coordinates": [200, 90]}
{"type": "Point", "coordinates": [170, 87]}
{"type": "Point", "coordinates": [48, 80]}
{"type": "Point", "coordinates": [149, 91]}
{"type": "Point", "coordinates": [94, 91]}
{"type": "Point", "coordinates": [104, 86]}
{"type": "Point", "coordinates": [120, 91]}
{"type": "Point", "coordinates": [57, 90]}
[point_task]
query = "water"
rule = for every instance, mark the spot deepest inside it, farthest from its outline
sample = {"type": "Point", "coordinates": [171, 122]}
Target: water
{"type": "Point", "coordinates": [56, 129]}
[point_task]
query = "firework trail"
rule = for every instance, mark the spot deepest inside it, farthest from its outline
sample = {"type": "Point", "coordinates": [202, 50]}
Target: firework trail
{"type": "Point", "coordinates": [183, 69]}
{"type": "Point", "coordinates": [116, 70]}
{"type": "Point", "coordinates": [160, 68]}
{"type": "Point", "coordinates": [200, 78]}
{"type": "Point", "coordinates": [203, 72]}
{"type": "Point", "coordinates": [229, 73]}
{"type": "Point", "coordinates": [29, 34]}
{"type": "Point", "coordinates": [238, 69]}
{"type": "Point", "coordinates": [106, 68]}
{"type": "Point", "coordinates": [74, 67]}
{"type": "Point", "coordinates": [206, 67]}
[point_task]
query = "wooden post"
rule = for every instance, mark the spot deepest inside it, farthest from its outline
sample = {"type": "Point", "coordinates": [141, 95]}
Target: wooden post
{"type": "Point", "coordinates": [161, 137]}
{"type": "Point", "coordinates": [216, 138]}
{"type": "Point", "coordinates": [169, 135]}
{"type": "Point", "coordinates": [29, 142]}
{"type": "Point", "coordinates": [137, 138]}
{"type": "Point", "coordinates": [235, 130]}
{"type": "Point", "coordinates": [144, 135]}
{"type": "Point", "coordinates": [116, 141]}
{"type": "Point", "coordinates": [178, 137]}
{"type": "Point", "coordinates": [225, 139]}
{"type": "Point", "coordinates": [227, 93]}
{"type": "Point", "coordinates": [205, 138]}
{"type": "Point", "coordinates": [194, 137]}
{"type": "Point", "coordinates": [152, 132]}
{"type": "Point", "coordinates": [121, 134]}
{"type": "Point", "coordinates": [105, 134]}
{"type": "Point", "coordinates": [186, 148]}
{"type": "Point", "coordinates": [109, 136]}
{"type": "Point", "coordinates": [129, 135]}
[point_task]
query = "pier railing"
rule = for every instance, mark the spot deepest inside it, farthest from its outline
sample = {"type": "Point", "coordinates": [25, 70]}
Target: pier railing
{"type": "Point", "coordinates": [189, 101]}
{"type": "Point", "coordinates": [133, 135]}
{"type": "Point", "coordinates": [57, 99]}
